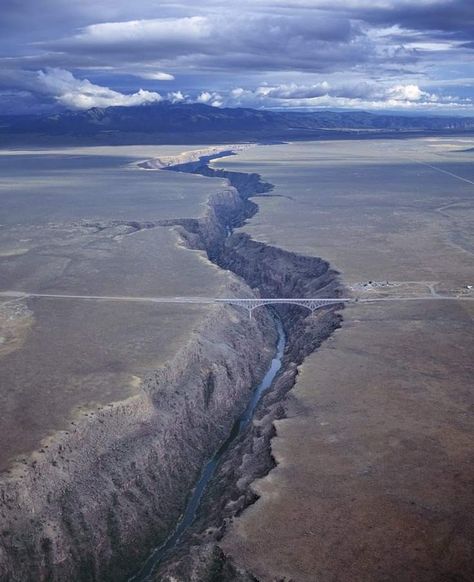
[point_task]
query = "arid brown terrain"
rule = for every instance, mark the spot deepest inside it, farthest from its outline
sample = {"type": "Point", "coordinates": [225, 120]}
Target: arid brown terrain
{"type": "Point", "coordinates": [109, 407]}
{"type": "Point", "coordinates": [374, 477]}
{"type": "Point", "coordinates": [362, 469]}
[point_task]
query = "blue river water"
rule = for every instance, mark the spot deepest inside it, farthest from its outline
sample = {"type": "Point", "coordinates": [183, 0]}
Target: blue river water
{"type": "Point", "coordinates": [189, 514]}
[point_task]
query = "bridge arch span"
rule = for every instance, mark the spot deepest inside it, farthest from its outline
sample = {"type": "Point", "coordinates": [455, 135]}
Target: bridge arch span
{"type": "Point", "coordinates": [311, 303]}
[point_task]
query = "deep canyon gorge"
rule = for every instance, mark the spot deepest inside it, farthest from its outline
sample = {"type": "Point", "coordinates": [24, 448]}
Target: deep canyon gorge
{"type": "Point", "coordinates": [138, 459]}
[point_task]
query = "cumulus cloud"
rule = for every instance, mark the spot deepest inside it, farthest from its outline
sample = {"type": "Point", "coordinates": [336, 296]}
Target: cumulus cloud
{"type": "Point", "coordinates": [366, 95]}
{"type": "Point", "coordinates": [82, 94]}
{"type": "Point", "coordinates": [407, 93]}
{"type": "Point", "coordinates": [210, 98]}
{"type": "Point", "coordinates": [177, 97]}
{"type": "Point", "coordinates": [75, 93]}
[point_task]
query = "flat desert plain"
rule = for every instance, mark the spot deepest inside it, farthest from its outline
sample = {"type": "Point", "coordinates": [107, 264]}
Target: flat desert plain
{"type": "Point", "coordinates": [375, 459]}
{"type": "Point", "coordinates": [72, 225]}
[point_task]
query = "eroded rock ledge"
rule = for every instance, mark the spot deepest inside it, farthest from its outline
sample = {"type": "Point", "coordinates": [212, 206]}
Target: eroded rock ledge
{"type": "Point", "coordinates": [93, 504]}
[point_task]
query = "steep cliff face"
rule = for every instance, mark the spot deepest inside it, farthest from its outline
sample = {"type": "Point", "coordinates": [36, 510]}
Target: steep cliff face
{"type": "Point", "coordinates": [271, 272]}
{"type": "Point", "coordinates": [91, 504]}
{"type": "Point", "coordinates": [268, 270]}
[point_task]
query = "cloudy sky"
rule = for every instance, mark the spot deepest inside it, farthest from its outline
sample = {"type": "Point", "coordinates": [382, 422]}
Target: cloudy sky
{"type": "Point", "coordinates": [404, 55]}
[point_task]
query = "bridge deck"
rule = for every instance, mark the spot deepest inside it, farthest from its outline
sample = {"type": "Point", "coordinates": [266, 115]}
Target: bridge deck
{"type": "Point", "coordinates": [244, 300]}
{"type": "Point", "coordinates": [248, 303]}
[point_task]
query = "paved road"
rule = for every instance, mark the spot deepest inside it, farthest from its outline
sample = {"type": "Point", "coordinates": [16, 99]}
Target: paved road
{"type": "Point", "coordinates": [420, 298]}
{"type": "Point", "coordinates": [24, 295]}
{"type": "Point", "coordinates": [448, 173]}
{"type": "Point", "coordinates": [15, 295]}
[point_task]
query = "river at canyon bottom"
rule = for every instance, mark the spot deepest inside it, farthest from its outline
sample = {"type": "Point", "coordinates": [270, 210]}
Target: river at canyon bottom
{"type": "Point", "coordinates": [209, 469]}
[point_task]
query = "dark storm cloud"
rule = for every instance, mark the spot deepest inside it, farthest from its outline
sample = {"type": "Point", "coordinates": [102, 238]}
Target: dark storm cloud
{"type": "Point", "coordinates": [452, 16]}
{"type": "Point", "coordinates": [255, 41]}
{"type": "Point", "coordinates": [86, 49]}
{"type": "Point", "coordinates": [455, 18]}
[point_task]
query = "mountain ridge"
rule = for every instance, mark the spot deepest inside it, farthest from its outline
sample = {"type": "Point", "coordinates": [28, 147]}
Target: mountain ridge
{"type": "Point", "coordinates": [165, 120]}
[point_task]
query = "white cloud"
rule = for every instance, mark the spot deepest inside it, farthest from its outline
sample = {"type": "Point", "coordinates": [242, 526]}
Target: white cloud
{"type": "Point", "coordinates": [208, 98]}
{"type": "Point", "coordinates": [204, 97]}
{"type": "Point", "coordinates": [82, 94]}
{"type": "Point", "coordinates": [155, 30]}
{"type": "Point", "coordinates": [358, 95]}
{"type": "Point", "coordinates": [77, 93]}
{"type": "Point", "coordinates": [177, 97]}
{"type": "Point", "coordinates": [406, 93]}
{"type": "Point", "coordinates": [156, 76]}
{"type": "Point", "coordinates": [295, 91]}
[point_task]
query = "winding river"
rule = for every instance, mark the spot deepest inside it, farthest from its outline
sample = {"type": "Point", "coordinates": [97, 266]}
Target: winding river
{"type": "Point", "coordinates": [209, 469]}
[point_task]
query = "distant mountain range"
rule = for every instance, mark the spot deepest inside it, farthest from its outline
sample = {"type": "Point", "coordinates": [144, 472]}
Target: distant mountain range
{"type": "Point", "coordinates": [167, 122]}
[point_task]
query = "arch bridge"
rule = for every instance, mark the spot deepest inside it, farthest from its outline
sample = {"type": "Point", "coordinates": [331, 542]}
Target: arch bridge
{"type": "Point", "coordinates": [309, 303]}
